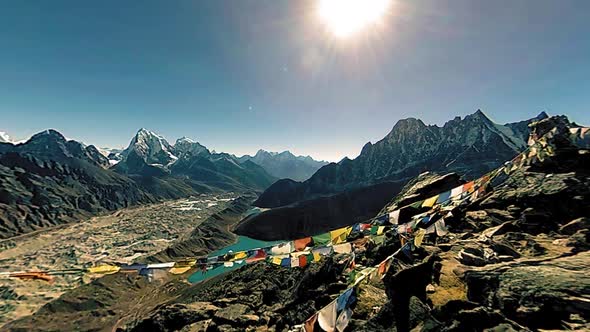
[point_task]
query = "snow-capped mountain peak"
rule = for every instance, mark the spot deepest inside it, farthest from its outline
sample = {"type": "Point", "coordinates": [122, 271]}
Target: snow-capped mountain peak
{"type": "Point", "coordinates": [151, 147]}
{"type": "Point", "coordinates": [4, 138]}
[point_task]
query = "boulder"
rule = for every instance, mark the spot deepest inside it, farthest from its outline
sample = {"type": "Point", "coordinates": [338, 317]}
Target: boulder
{"type": "Point", "coordinates": [575, 225]}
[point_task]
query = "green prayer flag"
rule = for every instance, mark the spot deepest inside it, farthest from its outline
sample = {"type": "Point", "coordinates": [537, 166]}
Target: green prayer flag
{"type": "Point", "coordinates": [374, 230]}
{"type": "Point", "coordinates": [322, 239]}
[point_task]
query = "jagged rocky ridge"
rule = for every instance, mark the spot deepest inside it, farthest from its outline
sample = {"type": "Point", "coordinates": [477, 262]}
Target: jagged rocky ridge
{"type": "Point", "coordinates": [149, 154]}
{"type": "Point", "coordinates": [285, 165]}
{"type": "Point", "coordinates": [469, 146]}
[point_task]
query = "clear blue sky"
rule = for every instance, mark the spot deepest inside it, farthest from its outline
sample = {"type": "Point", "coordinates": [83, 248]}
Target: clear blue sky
{"type": "Point", "coordinates": [248, 74]}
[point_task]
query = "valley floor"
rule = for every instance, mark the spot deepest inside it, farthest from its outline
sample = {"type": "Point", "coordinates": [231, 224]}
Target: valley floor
{"type": "Point", "coordinates": [123, 236]}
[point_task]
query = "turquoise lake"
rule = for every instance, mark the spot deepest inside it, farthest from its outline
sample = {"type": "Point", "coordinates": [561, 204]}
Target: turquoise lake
{"type": "Point", "coordinates": [243, 243]}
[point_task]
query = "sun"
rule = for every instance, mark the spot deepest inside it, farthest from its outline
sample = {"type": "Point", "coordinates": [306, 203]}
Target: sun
{"type": "Point", "coordinates": [347, 17]}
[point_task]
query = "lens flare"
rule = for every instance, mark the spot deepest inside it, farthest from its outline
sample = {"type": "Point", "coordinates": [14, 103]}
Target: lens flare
{"type": "Point", "coordinates": [347, 17]}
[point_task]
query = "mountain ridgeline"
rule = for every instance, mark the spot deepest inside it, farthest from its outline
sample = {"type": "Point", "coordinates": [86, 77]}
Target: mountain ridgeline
{"type": "Point", "coordinates": [285, 165]}
{"type": "Point", "coordinates": [352, 190]}
{"type": "Point", "coordinates": [49, 180]}
{"type": "Point", "coordinates": [469, 146]}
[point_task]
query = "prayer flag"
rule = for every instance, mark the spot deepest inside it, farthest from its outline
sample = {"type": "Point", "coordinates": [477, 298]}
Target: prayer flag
{"type": "Point", "coordinates": [419, 237]}
{"type": "Point", "coordinates": [286, 262]}
{"type": "Point", "coordinates": [343, 319]}
{"type": "Point", "coordinates": [441, 229]}
{"type": "Point", "coordinates": [281, 249]}
{"type": "Point", "coordinates": [380, 230]}
{"type": "Point", "coordinates": [338, 235]}
{"type": "Point", "coordinates": [179, 270]}
{"type": "Point", "coordinates": [345, 300]}
{"type": "Point", "coordinates": [32, 276]}
{"type": "Point", "coordinates": [302, 260]}
{"type": "Point", "coordinates": [456, 192]}
{"type": "Point", "coordinates": [321, 239]}
{"type": "Point", "coordinates": [240, 255]}
{"type": "Point", "coordinates": [394, 217]}
{"type": "Point", "coordinates": [160, 265]}
{"type": "Point", "coordinates": [468, 187]}
{"type": "Point", "coordinates": [327, 317]}
{"type": "Point", "coordinates": [301, 244]}
{"type": "Point", "coordinates": [316, 257]}
{"type": "Point", "coordinates": [344, 248]}
{"type": "Point", "coordinates": [443, 197]}
{"type": "Point", "coordinates": [104, 269]}
{"type": "Point", "coordinates": [310, 323]}
{"type": "Point", "coordinates": [374, 230]}
{"type": "Point", "coordinates": [379, 239]}
{"type": "Point", "coordinates": [430, 202]}
{"type": "Point", "coordinates": [294, 261]}
{"type": "Point", "coordinates": [277, 260]}
{"type": "Point", "coordinates": [382, 219]}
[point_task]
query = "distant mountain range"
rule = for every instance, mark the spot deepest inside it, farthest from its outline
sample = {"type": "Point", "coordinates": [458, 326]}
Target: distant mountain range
{"type": "Point", "coordinates": [351, 191]}
{"type": "Point", "coordinates": [50, 180]}
{"type": "Point", "coordinates": [285, 165]}
{"type": "Point", "coordinates": [469, 146]}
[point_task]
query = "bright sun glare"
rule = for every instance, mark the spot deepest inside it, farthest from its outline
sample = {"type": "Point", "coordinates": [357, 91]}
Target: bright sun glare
{"type": "Point", "coordinates": [346, 17]}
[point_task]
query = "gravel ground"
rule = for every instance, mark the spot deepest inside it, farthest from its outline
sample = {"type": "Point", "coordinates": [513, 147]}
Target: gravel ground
{"type": "Point", "coordinates": [124, 236]}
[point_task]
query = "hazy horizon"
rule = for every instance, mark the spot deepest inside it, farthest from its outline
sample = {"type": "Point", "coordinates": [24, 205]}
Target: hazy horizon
{"type": "Point", "coordinates": [249, 75]}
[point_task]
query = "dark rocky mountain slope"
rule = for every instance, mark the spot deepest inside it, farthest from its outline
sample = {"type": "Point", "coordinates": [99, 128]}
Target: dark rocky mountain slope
{"type": "Point", "coordinates": [49, 181]}
{"type": "Point", "coordinates": [285, 165]}
{"type": "Point", "coordinates": [469, 146]}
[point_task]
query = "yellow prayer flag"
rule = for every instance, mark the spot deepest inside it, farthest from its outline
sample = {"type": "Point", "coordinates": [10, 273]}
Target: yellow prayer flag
{"type": "Point", "coordinates": [380, 230]}
{"type": "Point", "coordinates": [430, 202]}
{"type": "Point", "coordinates": [240, 255]}
{"type": "Point", "coordinates": [179, 270]}
{"type": "Point", "coordinates": [338, 235]}
{"type": "Point", "coordinates": [419, 237]}
{"type": "Point", "coordinates": [277, 260]}
{"type": "Point", "coordinates": [316, 256]}
{"type": "Point", "coordinates": [104, 269]}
